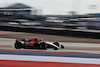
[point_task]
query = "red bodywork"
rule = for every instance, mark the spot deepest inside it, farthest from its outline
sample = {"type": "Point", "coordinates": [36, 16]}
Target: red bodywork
{"type": "Point", "coordinates": [32, 42]}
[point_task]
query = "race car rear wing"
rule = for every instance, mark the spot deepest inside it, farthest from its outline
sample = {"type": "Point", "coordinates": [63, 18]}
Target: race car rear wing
{"type": "Point", "coordinates": [21, 40]}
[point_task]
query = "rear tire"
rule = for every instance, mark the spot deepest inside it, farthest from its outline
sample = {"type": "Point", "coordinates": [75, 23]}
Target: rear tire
{"type": "Point", "coordinates": [55, 48]}
{"type": "Point", "coordinates": [18, 45]}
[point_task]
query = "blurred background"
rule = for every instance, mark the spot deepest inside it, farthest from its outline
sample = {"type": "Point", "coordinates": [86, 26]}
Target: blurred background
{"type": "Point", "coordinates": [73, 14]}
{"type": "Point", "coordinates": [73, 23]}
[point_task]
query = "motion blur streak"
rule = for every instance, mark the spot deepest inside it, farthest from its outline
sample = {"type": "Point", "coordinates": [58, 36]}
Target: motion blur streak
{"type": "Point", "coordinates": [15, 63]}
{"type": "Point", "coordinates": [4, 32]}
{"type": "Point", "coordinates": [50, 59]}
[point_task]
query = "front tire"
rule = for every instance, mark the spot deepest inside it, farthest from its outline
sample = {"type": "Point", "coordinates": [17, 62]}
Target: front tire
{"type": "Point", "coordinates": [62, 46]}
{"type": "Point", "coordinates": [55, 48]}
{"type": "Point", "coordinates": [56, 43]}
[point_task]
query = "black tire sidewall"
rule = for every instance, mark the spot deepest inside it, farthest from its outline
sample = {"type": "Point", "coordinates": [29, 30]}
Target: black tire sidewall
{"type": "Point", "coordinates": [18, 45]}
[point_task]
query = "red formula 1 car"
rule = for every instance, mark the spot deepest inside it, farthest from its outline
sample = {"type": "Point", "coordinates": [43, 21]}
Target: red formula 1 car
{"type": "Point", "coordinates": [35, 43]}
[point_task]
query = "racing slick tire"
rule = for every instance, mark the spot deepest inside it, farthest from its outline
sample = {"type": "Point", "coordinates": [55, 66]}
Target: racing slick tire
{"type": "Point", "coordinates": [62, 46]}
{"type": "Point", "coordinates": [18, 45]}
{"type": "Point", "coordinates": [55, 48]}
{"type": "Point", "coordinates": [43, 45]}
{"type": "Point", "coordinates": [56, 43]}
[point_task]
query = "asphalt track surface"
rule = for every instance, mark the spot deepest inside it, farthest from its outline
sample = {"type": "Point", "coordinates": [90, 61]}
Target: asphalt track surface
{"type": "Point", "coordinates": [74, 55]}
{"type": "Point", "coordinates": [11, 58]}
{"type": "Point", "coordinates": [68, 57]}
{"type": "Point", "coordinates": [8, 44]}
{"type": "Point", "coordinates": [56, 54]}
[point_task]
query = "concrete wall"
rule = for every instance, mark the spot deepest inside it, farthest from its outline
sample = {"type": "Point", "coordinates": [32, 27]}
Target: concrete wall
{"type": "Point", "coordinates": [54, 32]}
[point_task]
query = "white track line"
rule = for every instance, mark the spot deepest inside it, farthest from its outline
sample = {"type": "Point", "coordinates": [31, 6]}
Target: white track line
{"type": "Point", "coordinates": [50, 59]}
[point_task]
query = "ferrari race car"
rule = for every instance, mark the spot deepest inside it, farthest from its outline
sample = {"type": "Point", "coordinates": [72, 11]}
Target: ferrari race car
{"type": "Point", "coordinates": [36, 44]}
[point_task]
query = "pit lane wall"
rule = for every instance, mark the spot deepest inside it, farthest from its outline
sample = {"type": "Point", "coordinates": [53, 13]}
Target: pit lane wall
{"type": "Point", "coordinates": [64, 32]}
